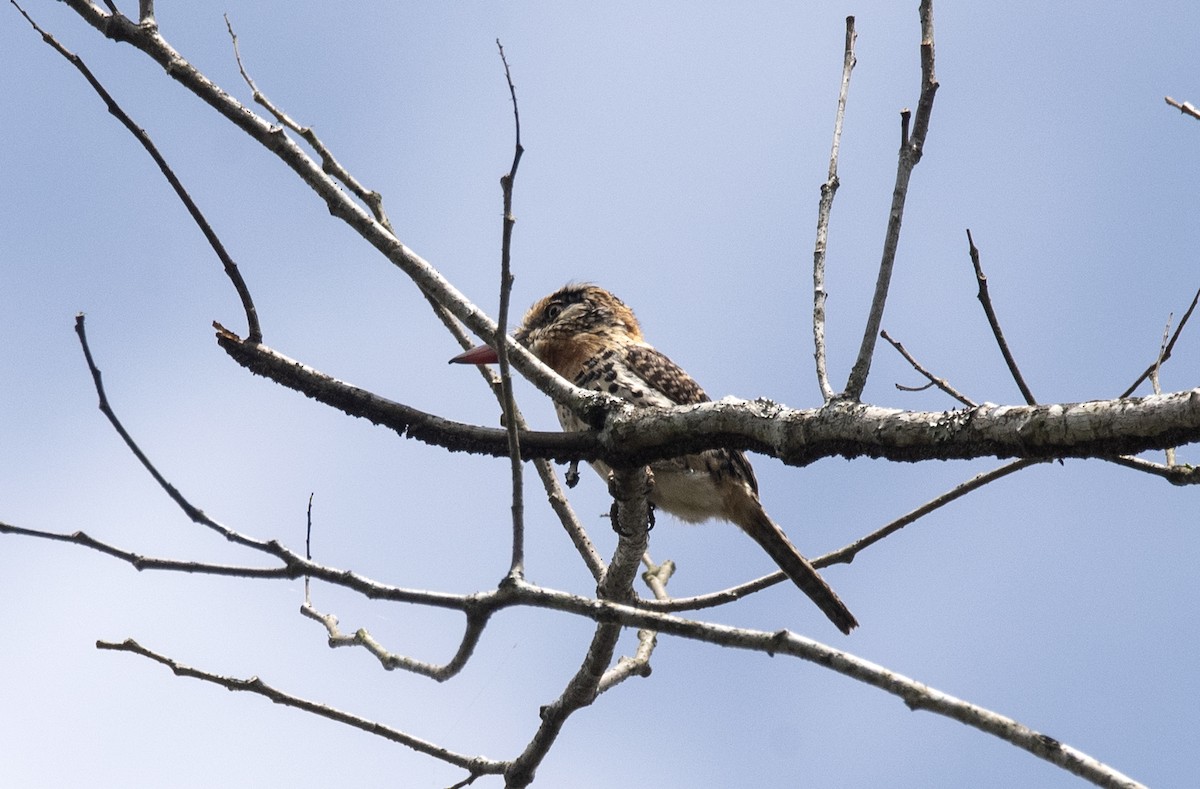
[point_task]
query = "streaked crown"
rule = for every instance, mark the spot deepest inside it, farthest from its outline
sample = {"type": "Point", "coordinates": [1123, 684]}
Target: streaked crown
{"type": "Point", "coordinates": [574, 322]}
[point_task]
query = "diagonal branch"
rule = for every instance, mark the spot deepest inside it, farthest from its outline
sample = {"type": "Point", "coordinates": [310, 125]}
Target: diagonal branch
{"type": "Point", "coordinates": [630, 517]}
{"type": "Point", "coordinates": [916, 695]}
{"type": "Point", "coordinates": [940, 383]}
{"type": "Point", "coordinates": [911, 149]}
{"type": "Point", "coordinates": [1164, 353]}
{"type": "Point", "coordinates": [1185, 107]}
{"type": "Point", "coordinates": [986, 300]}
{"type": "Point", "coordinates": [192, 512]}
{"type": "Point", "coordinates": [844, 555]}
{"type": "Point", "coordinates": [592, 407]}
{"type": "Point", "coordinates": [476, 765]}
{"type": "Point", "coordinates": [231, 268]}
{"type": "Point", "coordinates": [613, 614]}
{"type": "Point", "coordinates": [329, 162]}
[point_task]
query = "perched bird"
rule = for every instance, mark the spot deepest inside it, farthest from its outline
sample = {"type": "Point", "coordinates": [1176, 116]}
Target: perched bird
{"type": "Point", "coordinates": [588, 336]}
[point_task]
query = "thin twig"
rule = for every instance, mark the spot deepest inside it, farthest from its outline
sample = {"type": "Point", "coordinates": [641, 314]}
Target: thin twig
{"type": "Point", "coordinates": [1164, 353]}
{"type": "Point", "coordinates": [193, 513]}
{"type": "Point", "coordinates": [308, 548]}
{"type": "Point", "coordinates": [986, 300]}
{"type": "Point", "coordinates": [517, 567]}
{"type": "Point", "coordinates": [1162, 349]}
{"type": "Point", "coordinates": [843, 555]}
{"type": "Point", "coordinates": [329, 162]}
{"type": "Point", "coordinates": [825, 207]}
{"type": "Point", "coordinates": [940, 383]}
{"type": "Point", "coordinates": [231, 268]}
{"type": "Point", "coordinates": [911, 149]}
{"type": "Point", "coordinates": [570, 521]}
{"type": "Point", "coordinates": [475, 764]}
{"type": "Point", "coordinates": [1186, 107]}
{"type": "Point", "coordinates": [1175, 474]}
{"type": "Point", "coordinates": [847, 554]}
{"type": "Point", "coordinates": [142, 562]}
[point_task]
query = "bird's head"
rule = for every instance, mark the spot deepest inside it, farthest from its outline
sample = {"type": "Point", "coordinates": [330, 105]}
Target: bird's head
{"type": "Point", "coordinates": [570, 325]}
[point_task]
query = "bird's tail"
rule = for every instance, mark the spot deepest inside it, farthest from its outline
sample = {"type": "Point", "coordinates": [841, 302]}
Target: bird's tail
{"type": "Point", "coordinates": [777, 545]}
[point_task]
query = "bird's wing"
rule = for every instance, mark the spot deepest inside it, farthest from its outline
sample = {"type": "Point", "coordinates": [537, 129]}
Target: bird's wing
{"type": "Point", "coordinates": [661, 374]}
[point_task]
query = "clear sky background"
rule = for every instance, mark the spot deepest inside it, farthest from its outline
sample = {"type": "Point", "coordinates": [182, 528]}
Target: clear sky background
{"type": "Point", "coordinates": [674, 154]}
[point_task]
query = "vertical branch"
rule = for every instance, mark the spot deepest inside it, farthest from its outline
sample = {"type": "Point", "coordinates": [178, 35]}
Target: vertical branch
{"type": "Point", "coordinates": [146, 13]}
{"type": "Point", "coordinates": [308, 550]}
{"type": "Point", "coordinates": [517, 567]}
{"type": "Point", "coordinates": [828, 190]}
{"type": "Point", "coordinates": [1162, 350]}
{"type": "Point", "coordinates": [631, 512]}
{"type": "Point", "coordinates": [911, 148]}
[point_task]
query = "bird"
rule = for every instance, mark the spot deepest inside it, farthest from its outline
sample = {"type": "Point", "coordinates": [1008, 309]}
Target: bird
{"type": "Point", "coordinates": [591, 338]}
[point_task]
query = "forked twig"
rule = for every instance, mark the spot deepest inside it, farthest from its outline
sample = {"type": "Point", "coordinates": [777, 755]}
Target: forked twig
{"type": "Point", "coordinates": [329, 163]}
{"type": "Point", "coordinates": [477, 619]}
{"type": "Point", "coordinates": [940, 383]}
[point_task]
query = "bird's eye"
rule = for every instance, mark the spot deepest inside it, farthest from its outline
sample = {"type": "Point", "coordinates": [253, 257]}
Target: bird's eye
{"type": "Point", "coordinates": [553, 311]}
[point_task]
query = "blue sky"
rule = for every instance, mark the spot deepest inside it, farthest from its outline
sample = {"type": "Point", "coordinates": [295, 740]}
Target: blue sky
{"type": "Point", "coordinates": [674, 153]}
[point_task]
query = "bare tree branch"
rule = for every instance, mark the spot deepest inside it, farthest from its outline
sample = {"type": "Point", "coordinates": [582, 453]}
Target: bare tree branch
{"type": "Point", "coordinates": [986, 300]}
{"type": "Point", "coordinates": [631, 513]}
{"type": "Point", "coordinates": [852, 550]}
{"type": "Point", "coordinates": [797, 437]}
{"type": "Point", "coordinates": [476, 765]}
{"type": "Point", "coordinates": [507, 182]}
{"type": "Point", "coordinates": [1185, 107]}
{"type": "Point", "coordinates": [592, 407]}
{"type": "Point", "coordinates": [139, 134]}
{"type": "Point", "coordinates": [1164, 353]}
{"type": "Point", "coordinates": [329, 162]}
{"type": "Point", "coordinates": [825, 207]}
{"type": "Point", "coordinates": [476, 621]}
{"type": "Point", "coordinates": [940, 383]}
{"type": "Point", "coordinates": [1175, 474]}
{"type": "Point", "coordinates": [916, 695]}
{"type": "Point", "coordinates": [911, 149]}
{"type": "Point", "coordinates": [844, 555]}
{"type": "Point", "coordinates": [142, 562]}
